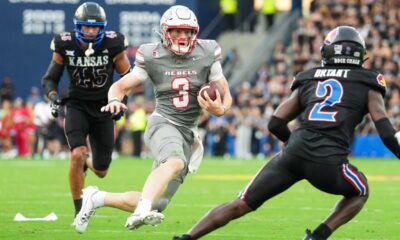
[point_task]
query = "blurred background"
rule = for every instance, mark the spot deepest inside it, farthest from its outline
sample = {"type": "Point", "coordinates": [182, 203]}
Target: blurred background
{"type": "Point", "coordinates": [265, 44]}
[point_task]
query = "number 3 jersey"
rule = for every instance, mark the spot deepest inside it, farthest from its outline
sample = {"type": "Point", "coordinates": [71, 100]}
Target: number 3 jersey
{"type": "Point", "coordinates": [90, 76]}
{"type": "Point", "coordinates": [178, 79]}
{"type": "Point", "coordinates": [334, 101]}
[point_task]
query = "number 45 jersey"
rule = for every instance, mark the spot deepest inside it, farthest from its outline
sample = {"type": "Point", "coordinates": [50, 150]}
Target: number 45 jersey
{"type": "Point", "coordinates": [90, 76]}
{"type": "Point", "coordinates": [334, 101]}
{"type": "Point", "coordinates": [178, 79]}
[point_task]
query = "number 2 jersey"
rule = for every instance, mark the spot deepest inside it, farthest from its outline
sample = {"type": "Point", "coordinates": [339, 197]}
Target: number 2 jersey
{"type": "Point", "coordinates": [178, 79]}
{"type": "Point", "coordinates": [90, 76]}
{"type": "Point", "coordinates": [334, 101]}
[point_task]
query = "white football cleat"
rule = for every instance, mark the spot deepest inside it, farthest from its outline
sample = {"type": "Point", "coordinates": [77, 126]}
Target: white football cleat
{"type": "Point", "coordinates": [87, 211]}
{"type": "Point", "coordinates": [152, 218]}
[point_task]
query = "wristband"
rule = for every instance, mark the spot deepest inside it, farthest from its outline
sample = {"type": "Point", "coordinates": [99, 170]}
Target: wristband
{"type": "Point", "coordinates": [114, 99]}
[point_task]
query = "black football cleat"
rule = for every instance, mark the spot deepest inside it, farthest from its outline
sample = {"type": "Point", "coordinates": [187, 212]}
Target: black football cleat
{"type": "Point", "coordinates": [309, 235]}
{"type": "Point", "coordinates": [183, 237]}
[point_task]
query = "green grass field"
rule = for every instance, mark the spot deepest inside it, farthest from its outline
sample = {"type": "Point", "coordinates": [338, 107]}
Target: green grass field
{"type": "Point", "coordinates": [35, 188]}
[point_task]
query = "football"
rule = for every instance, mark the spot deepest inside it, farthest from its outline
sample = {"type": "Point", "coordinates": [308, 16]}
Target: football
{"type": "Point", "coordinates": [210, 88]}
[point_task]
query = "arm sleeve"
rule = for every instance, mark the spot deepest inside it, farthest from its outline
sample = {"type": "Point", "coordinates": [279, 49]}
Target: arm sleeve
{"type": "Point", "coordinates": [52, 77]}
{"type": "Point", "coordinates": [279, 128]}
{"type": "Point", "coordinates": [140, 73]}
{"type": "Point", "coordinates": [387, 134]}
{"type": "Point", "coordinates": [215, 71]}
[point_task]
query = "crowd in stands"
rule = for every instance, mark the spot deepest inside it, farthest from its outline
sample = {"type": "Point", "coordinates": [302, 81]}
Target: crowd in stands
{"type": "Point", "coordinates": [29, 128]}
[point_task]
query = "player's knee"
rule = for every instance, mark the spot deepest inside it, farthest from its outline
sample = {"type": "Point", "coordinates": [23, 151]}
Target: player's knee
{"type": "Point", "coordinates": [176, 165]}
{"type": "Point", "coordinates": [79, 154]}
{"type": "Point", "coordinates": [161, 204]}
{"type": "Point", "coordinates": [100, 174]}
{"type": "Point", "coordinates": [240, 207]}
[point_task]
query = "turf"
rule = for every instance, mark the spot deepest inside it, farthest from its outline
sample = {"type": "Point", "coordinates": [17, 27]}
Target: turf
{"type": "Point", "coordinates": [37, 187]}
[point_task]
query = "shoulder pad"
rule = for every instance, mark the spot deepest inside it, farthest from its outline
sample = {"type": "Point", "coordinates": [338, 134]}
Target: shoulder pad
{"type": "Point", "coordinates": [115, 40]}
{"type": "Point", "coordinates": [60, 41]}
{"type": "Point", "coordinates": [301, 77]}
{"type": "Point", "coordinates": [371, 78]}
{"type": "Point", "coordinates": [146, 51]}
{"type": "Point", "coordinates": [210, 47]}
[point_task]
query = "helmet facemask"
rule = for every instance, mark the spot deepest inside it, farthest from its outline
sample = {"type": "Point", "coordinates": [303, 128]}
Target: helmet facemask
{"type": "Point", "coordinates": [180, 18]}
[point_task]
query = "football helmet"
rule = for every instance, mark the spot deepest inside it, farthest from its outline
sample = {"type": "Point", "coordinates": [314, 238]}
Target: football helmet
{"type": "Point", "coordinates": [90, 14]}
{"type": "Point", "coordinates": [343, 45]}
{"type": "Point", "coordinates": [179, 17]}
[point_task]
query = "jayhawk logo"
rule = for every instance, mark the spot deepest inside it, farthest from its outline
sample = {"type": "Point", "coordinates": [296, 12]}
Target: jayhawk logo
{"type": "Point", "coordinates": [381, 80]}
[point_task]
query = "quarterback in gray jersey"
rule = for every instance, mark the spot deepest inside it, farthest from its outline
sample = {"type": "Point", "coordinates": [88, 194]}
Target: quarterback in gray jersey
{"type": "Point", "coordinates": [178, 67]}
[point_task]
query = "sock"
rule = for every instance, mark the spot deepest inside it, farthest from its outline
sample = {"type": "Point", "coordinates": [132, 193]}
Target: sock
{"type": "Point", "coordinates": [98, 199]}
{"type": "Point", "coordinates": [144, 205]}
{"type": "Point", "coordinates": [78, 205]}
{"type": "Point", "coordinates": [322, 231]}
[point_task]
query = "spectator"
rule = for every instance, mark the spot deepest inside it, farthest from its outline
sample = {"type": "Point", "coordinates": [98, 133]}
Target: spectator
{"type": "Point", "coordinates": [6, 89]}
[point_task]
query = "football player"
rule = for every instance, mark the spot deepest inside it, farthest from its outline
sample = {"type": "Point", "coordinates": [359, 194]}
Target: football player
{"type": "Point", "coordinates": [334, 98]}
{"type": "Point", "coordinates": [90, 54]}
{"type": "Point", "coordinates": [177, 67]}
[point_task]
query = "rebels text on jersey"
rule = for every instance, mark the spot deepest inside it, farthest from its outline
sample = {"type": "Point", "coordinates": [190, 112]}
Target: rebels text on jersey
{"type": "Point", "coordinates": [90, 76]}
{"type": "Point", "coordinates": [335, 99]}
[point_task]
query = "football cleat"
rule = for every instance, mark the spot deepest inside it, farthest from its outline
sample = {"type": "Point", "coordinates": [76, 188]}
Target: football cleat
{"type": "Point", "coordinates": [152, 218]}
{"type": "Point", "coordinates": [309, 235]}
{"type": "Point", "coordinates": [87, 211]}
{"type": "Point", "coordinates": [183, 237]}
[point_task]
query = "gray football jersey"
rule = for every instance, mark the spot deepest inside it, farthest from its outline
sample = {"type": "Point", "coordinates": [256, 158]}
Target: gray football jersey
{"type": "Point", "coordinates": [178, 79]}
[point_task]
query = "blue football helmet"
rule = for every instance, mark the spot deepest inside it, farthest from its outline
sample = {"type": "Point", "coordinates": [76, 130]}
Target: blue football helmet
{"type": "Point", "coordinates": [90, 14]}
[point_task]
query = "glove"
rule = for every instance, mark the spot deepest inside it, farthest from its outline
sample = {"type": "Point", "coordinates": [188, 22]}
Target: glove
{"type": "Point", "coordinates": [118, 115]}
{"type": "Point", "coordinates": [55, 105]}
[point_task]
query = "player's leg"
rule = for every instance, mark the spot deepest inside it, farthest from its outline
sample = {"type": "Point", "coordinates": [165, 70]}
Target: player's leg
{"type": "Point", "coordinates": [170, 147]}
{"type": "Point", "coordinates": [102, 145]}
{"type": "Point", "coordinates": [345, 180]}
{"type": "Point", "coordinates": [270, 181]}
{"type": "Point", "coordinates": [76, 129]}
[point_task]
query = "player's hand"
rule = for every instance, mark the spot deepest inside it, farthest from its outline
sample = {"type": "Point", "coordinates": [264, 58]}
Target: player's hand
{"type": "Point", "coordinates": [55, 105]}
{"type": "Point", "coordinates": [213, 107]}
{"type": "Point", "coordinates": [115, 107]}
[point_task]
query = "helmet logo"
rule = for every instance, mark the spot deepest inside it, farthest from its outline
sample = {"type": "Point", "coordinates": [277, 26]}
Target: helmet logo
{"type": "Point", "coordinates": [338, 49]}
{"type": "Point", "coordinates": [331, 36]}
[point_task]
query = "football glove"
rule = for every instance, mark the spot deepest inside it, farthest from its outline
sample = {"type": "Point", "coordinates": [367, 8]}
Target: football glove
{"type": "Point", "coordinates": [118, 115]}
{"type": "Point", "coordinates": [55, 105]}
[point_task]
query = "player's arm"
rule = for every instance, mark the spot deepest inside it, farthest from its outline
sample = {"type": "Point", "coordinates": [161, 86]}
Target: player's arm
{"type": "Point", "coordinates": [53, 75]}
{"type": "Point", "coordinates": [285, 112]}
{"type": "Point", "coordinates": [219, 106]}
{"type": "Point", "coordinates": [377, 111]}
{"type": "Point", "coordinates": [123, 87]}
{"type": "Point", "coordinates": [122, 64]}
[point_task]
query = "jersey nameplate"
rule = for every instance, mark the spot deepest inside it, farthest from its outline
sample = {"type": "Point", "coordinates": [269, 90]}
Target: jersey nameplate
{"type": "Point", "coordinates": [321, 73]}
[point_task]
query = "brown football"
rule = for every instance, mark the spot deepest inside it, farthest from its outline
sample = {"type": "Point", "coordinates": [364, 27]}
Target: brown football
{"type": "Point", "coordinates": [210, 88]}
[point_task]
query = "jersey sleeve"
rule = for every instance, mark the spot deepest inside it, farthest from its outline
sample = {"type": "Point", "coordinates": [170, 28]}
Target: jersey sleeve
{"type": "Point", "coordinates": [297, 82]}
{"type": "Point", "coordinates": [118, 42]}
{"type": "Point", "coordinates": [379, 84]}
{"type": "Point", "coordinates": [60, 41]}
{"type": "Point", "coordinates": [140, 58]}
{"type": "Point", "coordinates": [373, 79]}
